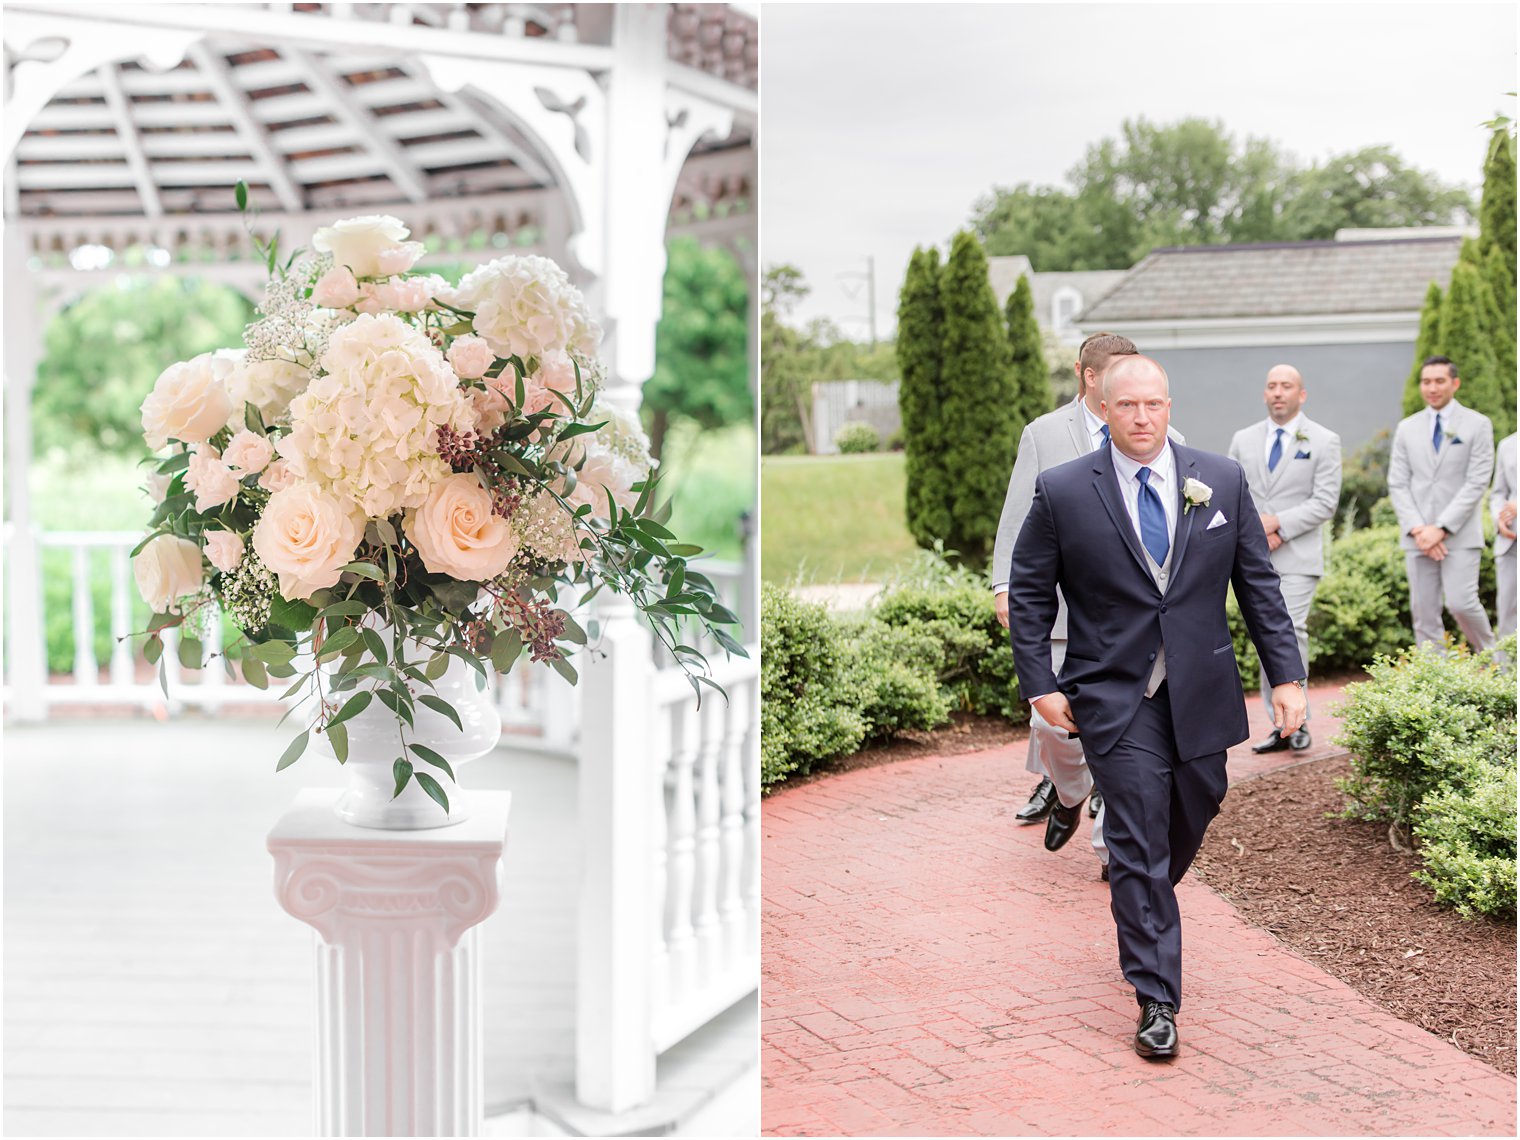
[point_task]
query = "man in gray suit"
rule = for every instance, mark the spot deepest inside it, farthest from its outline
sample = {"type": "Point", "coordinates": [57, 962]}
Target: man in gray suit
{"type": "Point", "coordinates": [1502, 504]}
{"type": "Point", "coordinates": [1293, 469]}
{"type": "Point", "coordinates": [1437, 476]}
{"type": "Point", "coordinates": [1055, 438]}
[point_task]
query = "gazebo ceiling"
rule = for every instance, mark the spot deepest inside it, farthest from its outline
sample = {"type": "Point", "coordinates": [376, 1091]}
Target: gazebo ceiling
{"type": "Point", "coordinates": [315, 130]}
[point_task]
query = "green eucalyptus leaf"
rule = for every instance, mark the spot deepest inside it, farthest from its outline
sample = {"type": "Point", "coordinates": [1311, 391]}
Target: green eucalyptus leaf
{"type": "Point", "coordinates": [292, 614]}
{"type": "Point", "coordinates": [176, 462]}
{"type": "Point", "coordinates": [564, 669]}
{"type": "Point", "coordinates": [337, 736]}
{"type": "Point", "coordinates": [191, 653]}
{"type": "Point", "coordinates": [254, 672]}
{"type": "Point", "coordinates": [433, 788]}
{"type": "Point", "coordinates": [729, 643]}
{"type": "Point", "coordinates": [376, 645]}
{"type": "Point", "coordinates": [437, 666]}
{"type": "Point", "coordinates": [253, 420]}
{"type": "Point", "coordinates": [343, 610]}
{"type": "Point", "coordinates": [402, 770]}
{"type": "Point", "coordinates": [293, 751]}
{"type": "Point", "coordinates": [355, 705]}
{"type": "Point", "coordinates": [433, 758]}
{"type": "Point", "coordinates": [573, 632]}
{"type": "Point", "coordinates": [364, 570]}
{"type": "Point", "coordinates": [337, 642]}
{"type": "Point", "coordinates": [153, 649]}
{"type": "Point", "coordinates": [441, 706]}
{"type": "Point", "coordinates": [574, 430]}
{"type": "Point", "coordinates": [240, 194]}
{"type": "Point", "coordinates": [506, 650]}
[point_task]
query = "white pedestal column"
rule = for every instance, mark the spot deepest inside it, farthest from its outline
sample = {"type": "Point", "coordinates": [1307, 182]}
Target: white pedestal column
{"type": "Point", "coordinates": [398, 1050]}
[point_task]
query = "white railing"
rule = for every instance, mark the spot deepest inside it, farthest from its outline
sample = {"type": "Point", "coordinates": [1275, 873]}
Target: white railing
{"type": "Point", "coordinates": [670, 827]}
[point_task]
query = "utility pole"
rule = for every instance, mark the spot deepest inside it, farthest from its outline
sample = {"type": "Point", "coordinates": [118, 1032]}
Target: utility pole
{"type": "Point", "coordinates": [870, 279]}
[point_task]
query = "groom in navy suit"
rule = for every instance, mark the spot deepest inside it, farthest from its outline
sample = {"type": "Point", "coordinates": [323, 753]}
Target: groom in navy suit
{"type": "Point", "coordinates": [1143, 537]}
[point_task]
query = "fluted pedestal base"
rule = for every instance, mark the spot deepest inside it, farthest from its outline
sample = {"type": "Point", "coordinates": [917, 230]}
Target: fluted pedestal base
{"type": "Point", "coordinates": [398, 1048]}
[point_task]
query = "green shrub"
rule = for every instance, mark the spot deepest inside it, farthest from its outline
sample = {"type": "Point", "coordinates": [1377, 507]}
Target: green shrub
{"type": "Point", "coordinates": [1364, 480]}
{"type": "Point", "coordinates": [1361, 608]}
{"type": "Point", "coordinates": [808, 708]}
{"type": "Point", "coordinates": [893, 671]}
{"type": "Point", "coordinates": [1411, 728]}
{"type": "Point", "coordinates": [1246, 659]}
{"type": "Point", "coordinates": [857, 439]}
{"type": "Point", "coordinates": [1467, 829]}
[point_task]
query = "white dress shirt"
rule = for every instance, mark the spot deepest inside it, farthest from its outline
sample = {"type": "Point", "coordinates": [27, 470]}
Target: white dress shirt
{"type": "Point", "coordinates": [1163, 477]}
{"type": "Point", "coordinates": [1290, 447]}
{"type": "Point", "coordinates": [1095, 428]}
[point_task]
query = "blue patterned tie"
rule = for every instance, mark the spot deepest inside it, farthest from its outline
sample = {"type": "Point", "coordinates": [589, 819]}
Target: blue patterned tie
{"type": "Point", "coordinates": [1152, 518]}
{"type": "Point", "coordinates": [1436, 438]}
{"type": "Point", "coordinates": [1276, 457]}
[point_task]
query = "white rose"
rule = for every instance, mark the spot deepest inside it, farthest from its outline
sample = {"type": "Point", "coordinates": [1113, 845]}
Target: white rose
{"type": "Point", "coordinates": [269, 385]}
{"type": "Point", "coordinates": [248, 452]}
{"type": "Point", "coordinates": [360, 242]}
{"type": "Point", "coordinates": [1197, 493]}
{"type": "Point", "coordinates": [307, 537]}
{"type": "Point", "coordinates": [458, 534]}
{"type": "Point", "coordinates": [336, 289]}
{"type": "Point", "coordinates": [471, 357]}
{"type": "Point", "coordinates": [167, 569]}
{"type": "Point", "coordinates": [277, 476]}
{"type": "Point", "coordinates": [224, 549]}
{"type": "Point", "coordinates": [212, 480]}
{"type": "Point", "coordinates": [189, 402]}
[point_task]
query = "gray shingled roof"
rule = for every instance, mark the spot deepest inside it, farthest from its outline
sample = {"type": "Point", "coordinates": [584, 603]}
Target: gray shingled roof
{"type": "Point", "coordinates": [1004, 273]}
{"type": "Point", "coordinates": [1291, 279]}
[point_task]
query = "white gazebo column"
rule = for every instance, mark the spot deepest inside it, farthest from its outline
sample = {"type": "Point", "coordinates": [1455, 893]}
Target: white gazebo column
{"type": "Point", "coordinates": [26, 653]}
{"type": "Point", "coordinates": [398, 1049]}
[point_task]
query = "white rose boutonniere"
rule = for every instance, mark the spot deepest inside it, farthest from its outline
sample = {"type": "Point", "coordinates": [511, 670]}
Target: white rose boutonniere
{"type": "Point", "coordinates": [1195, 493]}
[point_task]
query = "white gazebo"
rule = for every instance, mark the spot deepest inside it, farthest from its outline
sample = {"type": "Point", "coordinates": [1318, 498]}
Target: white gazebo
{"type": "Point", "coordinates": [588, 132]}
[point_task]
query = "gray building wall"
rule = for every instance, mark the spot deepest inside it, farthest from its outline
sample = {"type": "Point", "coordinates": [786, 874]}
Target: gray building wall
{"type": "Point", "coordinates": [840, 402]}
{"type": "Point", "coordinates": [1355, 390]}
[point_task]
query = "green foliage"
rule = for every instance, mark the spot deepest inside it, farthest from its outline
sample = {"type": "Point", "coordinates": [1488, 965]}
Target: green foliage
{"type": "Point", "coordinates": [1496, 211]}
{"type": "Point", "coordinates": [857, 439]}
{"type": "Point", "coordinates": [1467, 828]}
{"type": "Point", "coordinates": [713, 476]}
{"type": "Point", "coordinates": [103, 353]}
{"type": "Point", "coordinates": [1469, 315]}
{"type": "Point", "coordinates": [1432, 737]}
{"type": "Point", "coordinates": [920, 332]}
{"type": "Point", "coordinates": [1424, 347]}
{"type": "Point", "coordinates": [1361, 608]}
{"type": "Point", "coordinates": [892, 672]}
{"type": "Point", "coordinates": [1364, 480]}
{"type": "Point", "coordinates": [786, 418]}
{"type": "Point", "coordinates": [808, 711]}
{"type": "Point", "coordinates": [1246, 659]}
{"type": "Point", "coordinates": [979, 416]}
{"type": "Point", "coordinates": [1031, 377]}
{"type": "Point", "coordinates": [832, 518]}
{"type": "Point", "coordinates": [1191, 183]}
{"type": "Point", "coordinates": [701, 368]}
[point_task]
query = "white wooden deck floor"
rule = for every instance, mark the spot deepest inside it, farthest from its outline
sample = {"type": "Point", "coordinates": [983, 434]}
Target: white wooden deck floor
{"type": "Point", "coordinates": [153, 986]}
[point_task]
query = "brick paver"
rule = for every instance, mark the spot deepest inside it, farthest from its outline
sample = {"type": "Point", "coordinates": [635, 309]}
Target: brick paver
{"type": "Point", "coordinates": [929, 969]}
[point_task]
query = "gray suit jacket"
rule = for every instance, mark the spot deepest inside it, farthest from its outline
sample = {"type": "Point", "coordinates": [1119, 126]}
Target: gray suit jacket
{"type": "Point", "coordinates": [1444, 488]}
{"type": "Point", "coordinates": [1303, 492]}
{"type": "Point", "coordinates": [1056, 437]}
{"type": "Point", "coordinates": [1504, 489]}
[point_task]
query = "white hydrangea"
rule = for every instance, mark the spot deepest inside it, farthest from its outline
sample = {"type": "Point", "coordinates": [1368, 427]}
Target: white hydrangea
{"type": "Point", "coordinates": [366, 428]}
{"type": "Point", "coordinates": [269, 385]}
{"type": "Point", "coordinates": [622, 435]}
{"type": "Point", "coordinates": [526, 306]}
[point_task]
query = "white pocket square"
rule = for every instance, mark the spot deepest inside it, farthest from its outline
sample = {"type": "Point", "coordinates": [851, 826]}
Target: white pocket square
{"type": "Point", "coordinates": [1217, 520]}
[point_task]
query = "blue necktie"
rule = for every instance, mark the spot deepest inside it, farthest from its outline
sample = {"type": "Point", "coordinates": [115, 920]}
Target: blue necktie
{"type": "Point", "coordinates": [1104, 430]}
{"type": "Point", "coordinates": [1436, 438]}
{"type": "Point", "coordinates": [1152, 518]}
{"type": "Point", "coordinates": [1276, 457]}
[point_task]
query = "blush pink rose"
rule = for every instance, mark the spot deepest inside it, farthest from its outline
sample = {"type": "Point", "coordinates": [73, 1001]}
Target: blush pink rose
{"type": "Point", "coordinates": [224, 549]}
{"type": "Point", "coordinates": [277, 476]}
{"type": "Point", "coordinates": [248, 452]}
{"type": "Point", "coordinates": [307, 537]}
{"type": "Point", "coordinates": [212, 480]}
{"type": "Point", "coordinates": [470, 356]}
{"type": "Point", "coordinates": [336, 289]}
{"type": "Point", "coordinates": [398, 258]}
{"type": "Point", "coordinates": [458, 534]}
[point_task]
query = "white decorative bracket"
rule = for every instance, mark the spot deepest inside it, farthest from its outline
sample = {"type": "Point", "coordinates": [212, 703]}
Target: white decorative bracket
{"type": "Point", "coordinates": [398, 1050]}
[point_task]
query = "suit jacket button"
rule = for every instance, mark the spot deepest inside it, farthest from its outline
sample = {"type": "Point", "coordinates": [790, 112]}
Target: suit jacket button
{"type": "Point", "coordinates": [1163, 609]}
{"type": "Point", "coordinates": [1152, 657]}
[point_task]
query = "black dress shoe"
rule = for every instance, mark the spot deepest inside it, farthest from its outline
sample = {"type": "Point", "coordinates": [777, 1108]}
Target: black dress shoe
{"type": "Point", "coordinates": [1156, 1034]}
{"type": "Point", "coordinates": [1300, 740]}
{"type": "Point", "coordinates": [1040, 802]}
{"type": "Point", "coordinates": [1094, 806]}
{"type": "Point", "coordinates": [1274, 743]}
{"type": "Point", "coordinates": [1061, 825]}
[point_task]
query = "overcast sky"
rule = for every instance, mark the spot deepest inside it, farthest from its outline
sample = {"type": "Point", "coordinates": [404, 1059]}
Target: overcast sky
{"type": "Point", "coordinates": [882, 124]}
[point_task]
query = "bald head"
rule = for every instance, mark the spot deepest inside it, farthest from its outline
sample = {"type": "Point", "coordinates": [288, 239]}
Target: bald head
{"type": "Point", "coordinates": [1285, 393]}
{"type": "Point", "coordinates": [1138, 405]}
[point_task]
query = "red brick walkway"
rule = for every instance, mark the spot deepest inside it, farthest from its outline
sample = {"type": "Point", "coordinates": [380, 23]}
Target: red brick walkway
{"type": "Point", "coordinates": [929, 969]}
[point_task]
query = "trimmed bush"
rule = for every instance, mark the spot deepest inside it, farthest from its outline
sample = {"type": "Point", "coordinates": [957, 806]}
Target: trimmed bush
{"type": "Point", "coordinates": [1361, 608]}
{"type": "Point", "coordinates": [857, 439]}
{"type": "Point", "coordinates": [1364, 478]}
{"type": "Point", "coordinates": [1467, 830]}
{"type": "Point", "coordinates": [808, 709]}
{"type": "Point", "coordinates": [893, 674]}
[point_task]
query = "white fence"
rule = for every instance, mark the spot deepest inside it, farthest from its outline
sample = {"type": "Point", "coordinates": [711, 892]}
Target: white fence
{"type": "Point", "coordinates": [669, 930]}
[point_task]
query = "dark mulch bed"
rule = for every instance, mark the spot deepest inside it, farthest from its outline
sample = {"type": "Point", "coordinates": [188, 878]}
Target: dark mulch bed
{"type": "Point", "coordinates": [1337, 893]}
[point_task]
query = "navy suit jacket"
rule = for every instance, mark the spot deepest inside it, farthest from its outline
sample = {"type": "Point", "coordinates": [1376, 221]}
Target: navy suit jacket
{"type": "Point", "coordinates": [1078, 535]}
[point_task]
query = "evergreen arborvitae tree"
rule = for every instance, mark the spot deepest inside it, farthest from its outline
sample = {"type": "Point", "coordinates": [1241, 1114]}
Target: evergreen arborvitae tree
{"type": "Point", "coordinates": [1031, 376]}
{"type": "Point", "coordinates": [1467, 337]}
{"type": "Point", "coordinates": [920, 326]}
{"type": "Point", "coordinates": [1496, 214]}
{"type": "Point", "coordinates": [981, 417]}
{"type": "Point", "coordinates": [1501, 281]}
{"type": "Point", "coordinates": [1425, 344]}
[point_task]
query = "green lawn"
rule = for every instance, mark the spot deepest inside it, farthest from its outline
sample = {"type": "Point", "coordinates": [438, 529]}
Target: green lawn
{"type": "Point", "coordinates": [832, 518]}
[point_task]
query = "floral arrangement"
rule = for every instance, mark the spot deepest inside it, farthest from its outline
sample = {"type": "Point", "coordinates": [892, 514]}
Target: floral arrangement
{"type": "Point", "coordinates": [396, 471]}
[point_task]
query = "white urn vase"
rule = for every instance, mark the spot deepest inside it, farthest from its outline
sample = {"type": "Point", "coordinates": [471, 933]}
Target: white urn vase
{"type": "Point", "coordinates": [375, 743]}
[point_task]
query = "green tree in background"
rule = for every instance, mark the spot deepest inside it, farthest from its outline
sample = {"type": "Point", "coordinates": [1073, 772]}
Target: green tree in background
{"type": "Point", "coordinates": [701, 345]}
{"type": "Point", "coordinates": [1424, 346]}
{"type": "Point", "coordinates": [1031, 377]}
{"type": "Point", "coordinates": [920, 336]}
{"type": "Point", "coordinates": [1467, 317]}
{"type": "Point", "coordinates": [1496, 216]}
{"type": "Point", "coordinates": [1191, 183]}
{"type": "Point", "coordinates": [978, 405]}
{"type": "Point", "coordinates": [786, 421]}
{"type": "Point", "coordinates": [102, 354]}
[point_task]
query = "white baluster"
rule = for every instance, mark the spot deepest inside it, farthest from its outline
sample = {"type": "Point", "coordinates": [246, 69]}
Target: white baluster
{"type": "Point", "coordinates": [659, 865]}
{"type": "Point", "coordinates": [121, 617]}
{"type": "Point", "coordinates": [750, 886]}
{"type": "Point", "coordinates": [214, 675]}
{"type": "Point", "coordinates": [683, 844]}
{"type": "Point", "coordinates": [86, 669]}
{"type": "Point", "coordinates": [731, 827]}
{"type": "Point", "coordinates": [708, 929]}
